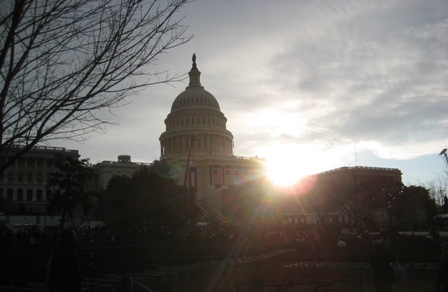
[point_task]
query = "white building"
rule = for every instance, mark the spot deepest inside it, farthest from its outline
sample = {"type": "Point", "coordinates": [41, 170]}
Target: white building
{"type": "Point", "coordinates": [23, 186]}
{"type": "Point", "coordinates": [199, 147]}
{"type": "Point", "coordinates": [105, 170]}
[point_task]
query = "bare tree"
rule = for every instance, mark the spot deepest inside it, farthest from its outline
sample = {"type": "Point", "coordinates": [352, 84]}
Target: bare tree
{"type": "Point", "coordinates": [68, 186]}
{"type": "Point", "coordinates": [437, 191]}
{"type": "Point", "coordinates": [62, 62]}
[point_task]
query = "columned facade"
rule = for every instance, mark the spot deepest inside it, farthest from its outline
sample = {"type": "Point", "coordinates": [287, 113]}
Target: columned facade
{"type": "Point", "coordinates": [23, 187]}
{"type": "Point", "coordinates": [26, 180]}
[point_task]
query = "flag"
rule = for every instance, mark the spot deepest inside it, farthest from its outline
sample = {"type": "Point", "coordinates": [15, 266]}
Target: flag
{"type": "Point", "coordinates": [217, 175]}
{"type": "Point", "coordinates": [193, 180]}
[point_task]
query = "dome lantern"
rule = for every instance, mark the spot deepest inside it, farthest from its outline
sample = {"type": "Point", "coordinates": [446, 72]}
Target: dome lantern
{"type": "Point", "coordinates": [195, 74]}
{"type": "Point", "coordinates": [194, 94]}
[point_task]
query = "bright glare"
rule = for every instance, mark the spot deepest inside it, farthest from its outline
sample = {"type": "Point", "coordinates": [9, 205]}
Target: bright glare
{"type": "Point", "coordinates": [285, 165]}
{"type": "Point", "coordinates": [283, 173]}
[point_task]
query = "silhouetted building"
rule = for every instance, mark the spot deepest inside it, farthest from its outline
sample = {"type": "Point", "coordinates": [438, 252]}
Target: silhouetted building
{"type": "Point", "coordinates": [367, 187]}
{"type": "Point", "coordinates": [355, 175]}
{"type": "Point", "coordinates": [199, 147]}
{"type": "Point", "coordinates": [105, 170]}
{"type": "Point", "coordinates": [23, 186]}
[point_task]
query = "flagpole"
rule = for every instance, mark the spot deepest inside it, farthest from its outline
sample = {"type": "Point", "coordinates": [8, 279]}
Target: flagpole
{"type": "Point", "coordinates": [191, 139]}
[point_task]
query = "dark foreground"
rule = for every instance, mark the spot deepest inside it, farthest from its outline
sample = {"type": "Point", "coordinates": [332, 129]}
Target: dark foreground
{"type": "Point", "coordinates": [225, 265]}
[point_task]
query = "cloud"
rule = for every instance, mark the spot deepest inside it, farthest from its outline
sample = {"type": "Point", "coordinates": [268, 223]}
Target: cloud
{"type": "Point", "coordinates": [317, 75]}
{"type": "Point", "coordinates": [368, 73]}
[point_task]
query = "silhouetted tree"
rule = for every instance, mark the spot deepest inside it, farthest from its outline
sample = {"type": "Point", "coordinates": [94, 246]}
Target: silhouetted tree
{"type": "Point", "coordinates": [428, 201]}
{"type": "Point", "coordinates": [411, 204]}
{"type": "Point", "coordinates": [437, 191]}
{"type": "Point", "coordinates": [149, 196]}
{"type": "Point", "coordinates": [68, 186]}
{"type": "Point", "coordinates": [379, 194]}
{"type": "Point", "coordinates": [62, 62]}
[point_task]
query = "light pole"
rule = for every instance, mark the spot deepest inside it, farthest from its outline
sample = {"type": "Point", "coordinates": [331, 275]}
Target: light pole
{"type": "Point", "coordinates": [191, 139]}
{"type": "Point", "coordinates": [445, 200]}
{"type": "Point", "coordinates": [443, 152]}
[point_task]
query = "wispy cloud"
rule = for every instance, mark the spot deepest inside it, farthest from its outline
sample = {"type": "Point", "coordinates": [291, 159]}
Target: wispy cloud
{"type": "Point", "coordinates": [317, 75]}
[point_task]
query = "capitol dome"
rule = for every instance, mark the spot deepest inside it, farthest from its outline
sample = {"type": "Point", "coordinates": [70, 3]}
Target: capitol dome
{"type": "Point", "coordinates": [195, 96]}
{"type": "Point", "coordinates": [195, 114]}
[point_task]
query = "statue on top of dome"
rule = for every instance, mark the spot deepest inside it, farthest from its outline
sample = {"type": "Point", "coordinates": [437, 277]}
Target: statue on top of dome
{"type": "Point", "coordinates": [194, 60]}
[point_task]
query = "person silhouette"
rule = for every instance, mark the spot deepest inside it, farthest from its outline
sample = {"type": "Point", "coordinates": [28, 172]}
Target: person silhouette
{"type": "Point", "coordinates": [442, 276]}
{"type": "Point", "coordinates": [64, 268]}
{"type": "Point", "coordinates": [381, 260]}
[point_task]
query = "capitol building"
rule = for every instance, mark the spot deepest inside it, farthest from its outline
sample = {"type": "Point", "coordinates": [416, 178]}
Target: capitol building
{"type": "Point", "coordinates": [199, 147]}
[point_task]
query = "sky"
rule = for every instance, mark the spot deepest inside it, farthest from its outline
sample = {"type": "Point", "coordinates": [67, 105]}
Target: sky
{"type": "Point", "coordinates": [316, 84]}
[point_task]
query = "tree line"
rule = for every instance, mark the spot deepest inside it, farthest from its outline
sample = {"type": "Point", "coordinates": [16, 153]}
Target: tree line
{"type": "Point", "coordinates": [151, 196]}
{"type": "Point", "coordinates": [147, 197]}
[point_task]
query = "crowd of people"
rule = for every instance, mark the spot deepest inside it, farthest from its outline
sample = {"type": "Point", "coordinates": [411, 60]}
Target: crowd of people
{"type": "Point", "coordinates": [325, 233]}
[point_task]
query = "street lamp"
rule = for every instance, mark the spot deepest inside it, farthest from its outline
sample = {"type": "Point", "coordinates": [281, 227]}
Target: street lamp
{"type": "Point", "coordinates": [443, 152]}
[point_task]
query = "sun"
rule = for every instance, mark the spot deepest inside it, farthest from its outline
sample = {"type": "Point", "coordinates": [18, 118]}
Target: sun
{"type": "Point", "coordinates": [283, 172]}
{"type": "Point", "coordinates": [284, 166]}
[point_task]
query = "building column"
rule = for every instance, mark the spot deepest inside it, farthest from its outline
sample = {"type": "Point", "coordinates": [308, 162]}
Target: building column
{"type": "Point", "coordinates": [45, 170]}
{"type": "Point", "coordinates": [224, 178]}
